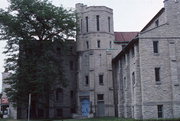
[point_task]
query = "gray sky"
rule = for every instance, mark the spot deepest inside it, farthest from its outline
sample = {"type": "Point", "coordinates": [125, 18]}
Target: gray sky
{"type": "Point", "coordinates": [129, 15]}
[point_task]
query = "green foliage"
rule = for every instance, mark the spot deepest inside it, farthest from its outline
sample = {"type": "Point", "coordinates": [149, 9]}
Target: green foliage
{"type": "Point", "coordinates": [34, 30]}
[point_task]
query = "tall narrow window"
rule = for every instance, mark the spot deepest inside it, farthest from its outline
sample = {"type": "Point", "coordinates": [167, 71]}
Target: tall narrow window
{"type": "Point", "coordinates": [133, 79]}
{"type": "Point", "coordinates": [59, 95]}
{"type": "Point", "coordinates": [110, 44]}
{"type": "Point", "coordinates": [101, 81]}
{"type": "Point", "coordinates": [81, 25]}
{"type": "Point", "coordinates": [86, 80]}
{"type": "Point", "coordinates": [109, 23]}
{"type": "Point", "coordinates": [71, 49]}
{"type": "Point", "coordinates": [71, 65]}
{"type": "Point", "coordinates": [157, 74]}
{"type": "Point", "coordinates": [124, 59]}
{"type": "Point", "coordinates": [87, 44]}
{"type": "Point", "coordinates": [86, 24]}
{"type": "Point", "coordinates": [59, 112]}
{"type": "Point", "coordinates": [98, 44]}
{"type": "Point", "coordinates": [157, 23]}
{"type": "Point", "coordinates": [72, 94]}
{"type": "Point", "coordinates": [132, 52]}
{"type": "Point", "coordinates": [155, 46]}
{"type": "Point", "coordinates": [160, 111]}
{"type": "Point", "coordinates": [125, 83]}
{"type": "Point", "coordinates": [97, 20]}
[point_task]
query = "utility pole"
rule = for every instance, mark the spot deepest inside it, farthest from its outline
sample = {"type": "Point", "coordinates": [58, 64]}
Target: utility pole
{"type": "Point", "coordinates": [1, 102]}
{"type": "Point", "coordinates": [29, 106]}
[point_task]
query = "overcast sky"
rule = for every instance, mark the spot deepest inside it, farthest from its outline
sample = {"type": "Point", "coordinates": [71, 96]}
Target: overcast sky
{"type": "Point", "coordinates": [129, 15]}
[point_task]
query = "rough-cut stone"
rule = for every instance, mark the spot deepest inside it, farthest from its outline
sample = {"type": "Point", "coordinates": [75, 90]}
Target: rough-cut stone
{"type": "Point", "coordinates": [142, 98]}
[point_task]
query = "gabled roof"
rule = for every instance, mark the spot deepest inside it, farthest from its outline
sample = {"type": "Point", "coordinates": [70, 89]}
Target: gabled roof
{"type": "Point", "coordinates": [130, 44]}
{"type": "Point", "coordinates": [153, 19]}
{"type": "Point", "coordinates": [124, 36]}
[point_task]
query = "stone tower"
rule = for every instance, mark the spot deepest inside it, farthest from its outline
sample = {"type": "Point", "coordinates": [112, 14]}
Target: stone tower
{"type": "Point", "coordinates": [95, 48]}
{"type": "Point", "coordinates": [172, 8]}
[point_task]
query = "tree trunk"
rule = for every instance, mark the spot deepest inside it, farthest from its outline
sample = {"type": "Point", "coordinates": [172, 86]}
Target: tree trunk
{"type": "Point", "coordinates": [47, 105]}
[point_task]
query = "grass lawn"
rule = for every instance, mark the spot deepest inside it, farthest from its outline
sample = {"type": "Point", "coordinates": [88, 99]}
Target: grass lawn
{"type": "Point", "coordinates": [96, 119]}
{"type": "Point", "coordinates": [102, 119]}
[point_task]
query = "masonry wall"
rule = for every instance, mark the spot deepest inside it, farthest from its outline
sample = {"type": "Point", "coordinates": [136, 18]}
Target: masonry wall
{"type": "Point", "coordinates": [155, 93]}
{"type": "Point", "coordinates": [166, 92]}
{"type": "Point", "coordinates": [127, 74]}
{"type": "Point", "coordinates": [147, 93]}
{"type": "Point", "coordinates": [65, 105]}
{"type": "Point", "coordinates": [93, 60]}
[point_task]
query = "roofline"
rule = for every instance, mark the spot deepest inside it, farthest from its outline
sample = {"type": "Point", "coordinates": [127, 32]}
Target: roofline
{"type": "Point", "coordinates": [123, 37]}
{"type": "Point", "coordinates": [126, 31]}
{"type": "Point", "coordinates": [121, 41]}
{"type": "Point", "coordinates": [156, 16]}
{"type": "Point", "coordinates": [125, 49]}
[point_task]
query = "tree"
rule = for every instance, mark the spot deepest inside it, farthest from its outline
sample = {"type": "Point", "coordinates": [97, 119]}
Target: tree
{"type": "Point", "coordinates": [34, 30]}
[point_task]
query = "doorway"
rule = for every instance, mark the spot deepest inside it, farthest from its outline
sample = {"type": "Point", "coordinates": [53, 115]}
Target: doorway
{"type": "Point", "coordinates": [85, 107]}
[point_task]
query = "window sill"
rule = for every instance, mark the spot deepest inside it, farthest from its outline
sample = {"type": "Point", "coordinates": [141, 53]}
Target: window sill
{"type": "Point", "coordinates": [158, 83]}
{"type": "Point", "coordinates": [156, 54]}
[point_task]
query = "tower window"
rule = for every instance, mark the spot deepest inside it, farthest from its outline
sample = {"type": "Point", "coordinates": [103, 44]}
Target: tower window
{"type": "Point", "coordinates": [98, 44]}
{"type": "Point", "coordinates": [100, 97]}
{"type": "Point", "coordinates": [155, 46]}
{"type": "Point", "coordinates": [86, 80]}
{"type": "Point", "coordinates": [87, 44]}
{"type": "Point", "coordinates": [109, 23]}
{"type": "Point", "coordinates": [160, 111]}
{"type": "Point", "coordinates": [157, 74]}
{"type": "Point", "coordinates": [86, 24]}
{"type": "Point", "coordinates": [101, 81]}
{"type": "Point", "coordinates": [110, 44]}
{"type": "Point", "coordinates": [97, 20]}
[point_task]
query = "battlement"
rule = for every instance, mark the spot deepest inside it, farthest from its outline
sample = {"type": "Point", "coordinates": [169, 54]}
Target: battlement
{"type": "Point", "coordinates": [84, 8]}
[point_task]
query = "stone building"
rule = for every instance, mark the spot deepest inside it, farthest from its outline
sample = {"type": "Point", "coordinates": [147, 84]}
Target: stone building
{"type": "Point", "coordinates": [124, 74]}
{"type": "Point", "coordinates": [96, 46]}
{"type": "Point", "coordinates": [146, 71]}
{"type": "Point", "coordinates": [63, 99]}
{"type": "Point", "coordinates": [87, 67]}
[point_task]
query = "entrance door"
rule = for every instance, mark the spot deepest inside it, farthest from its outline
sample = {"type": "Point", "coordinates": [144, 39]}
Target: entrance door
{"type": "Point", "coordinates": [100, 109]}
{"type": "Point", "coordinates": [85, 107]}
